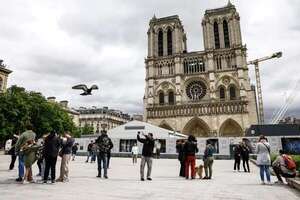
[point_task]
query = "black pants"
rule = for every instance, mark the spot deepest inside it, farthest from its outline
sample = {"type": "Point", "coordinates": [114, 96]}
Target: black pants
{"type": "Point", "coordinates": [237, 162]}
{"type": "Point", "coordinates": [39, 164]}
{"type": "Point", "coordinates": [50, 164]}
{"type": "Point", "coordinates": [182, 168]}
{"type": "Point", "coordinates": [108, 159]}
{"type": "Point", "coordinates": [246, 165]}
{"type": "Point", "coordinates": [279, 173]}
{"type": "Point", "coordinates": [12, 163]}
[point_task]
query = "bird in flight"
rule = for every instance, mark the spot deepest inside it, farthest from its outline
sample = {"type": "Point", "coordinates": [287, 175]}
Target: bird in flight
{"type": "Point", "coordinates": [86, 90]}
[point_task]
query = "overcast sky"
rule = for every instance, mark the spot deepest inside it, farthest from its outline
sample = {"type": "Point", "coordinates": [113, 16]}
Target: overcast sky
{"type": "Point", "coordinates": [52, 45]}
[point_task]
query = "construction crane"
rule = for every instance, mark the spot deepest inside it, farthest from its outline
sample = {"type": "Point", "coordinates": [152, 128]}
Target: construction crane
{"type": "Point", "coordinates": [258, 84]}
{"type": "Point", "coordinates": [288, 101]}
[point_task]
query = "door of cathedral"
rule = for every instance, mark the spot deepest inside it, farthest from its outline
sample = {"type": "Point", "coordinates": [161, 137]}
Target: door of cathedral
{"type": "Point", "coordinates": [196, 127]}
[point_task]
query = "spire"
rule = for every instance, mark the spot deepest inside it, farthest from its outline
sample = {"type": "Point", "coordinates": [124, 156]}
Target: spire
{"type": "Point", "coordinates": [154, 17]}
{"type": "Point", "coordinates": [229, 3]}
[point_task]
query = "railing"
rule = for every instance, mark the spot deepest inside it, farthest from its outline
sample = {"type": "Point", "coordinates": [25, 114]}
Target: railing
{"type": "Point", "coordinates": [197, 109]}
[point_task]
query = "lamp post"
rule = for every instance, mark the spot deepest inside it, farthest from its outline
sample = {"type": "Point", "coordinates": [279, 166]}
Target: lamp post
{"type": "Point", "coordinates": [258, 83]}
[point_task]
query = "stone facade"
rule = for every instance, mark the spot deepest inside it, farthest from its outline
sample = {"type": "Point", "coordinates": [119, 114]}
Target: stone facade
{"type": "Point", "coordinates": [4, 72]}
{"type": "Point", "coordinates": [205, 93]}
{"type": "Point", "coordinates": [102, 118]}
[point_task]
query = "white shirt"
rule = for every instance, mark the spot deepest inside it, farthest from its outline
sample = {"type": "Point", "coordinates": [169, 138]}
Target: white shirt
{"type": "Point", "coordinates": [135, 150]}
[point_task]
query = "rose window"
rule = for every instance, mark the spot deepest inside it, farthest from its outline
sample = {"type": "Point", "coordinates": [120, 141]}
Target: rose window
{"type": "Point", "coordinates": [196, 90]}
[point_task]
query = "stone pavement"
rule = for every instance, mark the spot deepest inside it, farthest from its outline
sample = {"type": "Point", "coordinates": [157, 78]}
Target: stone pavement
{"type": "Point", "coordinates": [124, 183]}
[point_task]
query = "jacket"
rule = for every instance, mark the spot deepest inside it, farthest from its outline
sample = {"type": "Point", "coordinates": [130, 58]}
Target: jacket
{"type": "Point", "coordinates": [30, 154]}
{"type": "Point", "coordinates": [148, 145]}
{"type": "Point", "coordinates": [104, 144]}
{"type": "Point", "coordinates": [263, 153]}
{"type": "Point", "coordinates": [208, 152]}
{"type": "Point", "coordinates": [179, 148]}
{"type": "Point", "coordinates": [24, 138]}
{"type": "Point", "coordinates": [237, 151]}
{"type": "Point", "coordinates": [279, 162]}
{"type": "Point", "coordinates": [245, 152]}
{"type": "Point", "coordinates": [190, 148]}
{"type": "Point", "coordinates": [51, 146]}
{"type": "Point", "coordinates": [67, 146]}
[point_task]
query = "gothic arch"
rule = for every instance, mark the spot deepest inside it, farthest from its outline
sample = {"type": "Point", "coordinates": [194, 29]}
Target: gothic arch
{"type": "Point", "coordinates": [160, 42]}
{"type": "Point", "coordinates": [230, 128]}
{"type": "Point", "coordinates": [196, 127]}
{"type": "Point", "coordinates": [164, 86]}
{"type": "Point", "coordinates": [165, 125]}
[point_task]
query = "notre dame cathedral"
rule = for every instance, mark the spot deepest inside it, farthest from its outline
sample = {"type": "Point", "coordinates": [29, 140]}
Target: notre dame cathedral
{"type": "Point", "coordinates": [204, 93]}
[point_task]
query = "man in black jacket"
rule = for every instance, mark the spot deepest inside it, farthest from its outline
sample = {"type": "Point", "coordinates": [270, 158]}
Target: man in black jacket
{"type": "Point", "coordinates": [147, 154]}
{"type": "Point", "coordinates": [104, 144]}
{"type": "Point", "coordinates": [66, 142]}
{"type": "Point", "coordinates": [190, 149]}
{"type": "Point", "coordinates": [50, 152]}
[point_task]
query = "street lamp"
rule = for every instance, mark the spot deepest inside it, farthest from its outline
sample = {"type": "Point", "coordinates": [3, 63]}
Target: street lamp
{"type": "Point", "coordinates": [258, 84]}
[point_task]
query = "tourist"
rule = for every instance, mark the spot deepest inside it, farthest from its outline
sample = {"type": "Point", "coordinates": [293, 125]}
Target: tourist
{"type": "Point", "coordinates": [66, 142]}
{"type": "Point", "coordinates": [74, 151]}
{"type": "Point", "coordinates": [263, 158]}
{"type": "Point", "coordinates": [147, 154]}
{"type": "Point", "coordinates": [41, 160]}
{"type": "Point", "coordinates": [89, 151]}
{"type": "Point", "coordinates": [111, 145]}
{"type": "Point", "coordinates": [190, 149]}
{"type": "Point", "coordinates": [50, 153]}
{"type": "Point", "coordinates": [94, 152]}
{"type": "Point", "coordinates": [134, 152]}
{"type": "Point", "coordinates": [245, 156]}
{"type": "Point", "coordinates": [157, 148]}
{"type": "Point", "coordinates": [104, 146]}
{"type": "Point", "coordinates": [284, 166]}
{"type": "Point", "coordinates": [237, 156]}
{"type": "Point", "coordinates": [30, 156]}
{"type": "Point", "coordinates": [22, 140]}
{"type": "Point", "coordinates": [12, 152]}
{"type": "Point", "coordinates": [208, 160]}
{"type": "Point", "coordinates": [181, 157]}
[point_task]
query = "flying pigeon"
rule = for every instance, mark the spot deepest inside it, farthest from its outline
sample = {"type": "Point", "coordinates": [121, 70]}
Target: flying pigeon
{"type": "Point", "coordinates": [87, 91]}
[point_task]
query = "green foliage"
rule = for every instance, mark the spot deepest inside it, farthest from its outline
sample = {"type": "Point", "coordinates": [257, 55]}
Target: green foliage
{"type": "Point", "coordinates": [19, 107]}
{"type": "Point", "coordinates": [87, 130]}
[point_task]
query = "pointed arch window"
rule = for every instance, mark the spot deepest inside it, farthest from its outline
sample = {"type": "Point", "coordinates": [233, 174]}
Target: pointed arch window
{"type": "Point", "coordinates": [232, 93]}
{"type": "Point", "coordinates": [171, 98]}
{"type": "Point", "coordinates": [216, 34]}
{"type": "Point", "coordinates": [170, 42]}
{"type": "Point", "coordinates": [226, 34]}
{"type": "Point", "coordinates": [222, 93]}
{"type": "Point", "coordinates": [160, 43]}
{"type": "Point", "coordinates": [161, 98]}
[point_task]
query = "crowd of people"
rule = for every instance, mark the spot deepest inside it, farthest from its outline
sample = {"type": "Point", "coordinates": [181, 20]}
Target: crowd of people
{"type": "Point", "coordinates": [51, 146]}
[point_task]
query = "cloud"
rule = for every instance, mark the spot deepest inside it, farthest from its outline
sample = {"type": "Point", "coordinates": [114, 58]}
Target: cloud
{"type": "Point", "coordinates": [52, 45]}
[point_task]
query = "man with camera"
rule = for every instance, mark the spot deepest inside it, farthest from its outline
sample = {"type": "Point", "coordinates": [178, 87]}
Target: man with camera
{"type": "Point", "coordinates": [147, 154]}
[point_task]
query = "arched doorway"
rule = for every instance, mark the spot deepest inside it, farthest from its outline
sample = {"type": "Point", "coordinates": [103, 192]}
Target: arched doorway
{"type": "Point", "coordinates": [231, 128]}
{"type": "Point", "coordinates": [196, 127]}
{"type": "Point", "coordinates": [165, 125]}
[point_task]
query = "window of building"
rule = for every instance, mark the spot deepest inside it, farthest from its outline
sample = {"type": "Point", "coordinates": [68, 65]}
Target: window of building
{"type": "Point", "coordinates": [191, 66]}
{"type": "Point", "coordinates": [232, 92]}
{"type": "Point", "coordinates": [126, 145]}
{"type": "Point", "coordinates": [222, 93]}
{"type": "Point", "coordinates": [170, 42]}
{"type": "Point", "coordinates": [161, 98]}
{"type": "Point", "coordinates": [160, 43]}
{"type": "Point", "coordinates": [219, 63]}
{"type": "Point", "coordinates": [216, 34]}
{"type": "Point", "coordinates": [226, 34]}
{"type": "Point", "coordinates": [159, 70]}
{"type": "Point", "coordinates": [171, 98]}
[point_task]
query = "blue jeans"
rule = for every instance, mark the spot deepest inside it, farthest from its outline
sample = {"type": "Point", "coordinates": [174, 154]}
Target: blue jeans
{"type": "Point", "coordinates": [102, 158]}
{"type": "Point", "coordinates": [21, 166]}
{"type": "Point", "coordinates": [264, 169]}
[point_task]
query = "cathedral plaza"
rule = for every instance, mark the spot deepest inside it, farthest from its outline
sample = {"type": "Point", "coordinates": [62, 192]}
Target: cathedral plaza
{"type": "Point", "coordinates": [124, 183]}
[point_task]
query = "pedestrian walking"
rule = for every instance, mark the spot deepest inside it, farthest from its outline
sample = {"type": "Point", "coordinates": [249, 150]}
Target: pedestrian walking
{"type": "Point", "coordinates": [208, 160]}
{"type": "Point", "coordinates": [237, 157]}
{"type": "Point", "coordinates": [245, 157]}
{"type": "Point", "coordinates": [104, 145]}
{"type": "Point", "coordinates": [147, 154]}
{"type": "Point", "coordinates": [50, 153]}
{"type": "Point", "coordinates": [263, 159]}
{"type": "Point", "coordinates": [66, 143]}
{"type": "Point", "coordinates": [94, 152]}
{"type": "Point", "coordinates": [89, 151]}
{"type": "Point", "coordinates": [190, 149]}
{"type": "Point", "coordinates": [134, 153]}
{"type": "Point", "coordinates": [181, 157]}
{"type": "Point", "coordinates": [74, 151]}
{"type": "Point", "coordinates": [22, 140]}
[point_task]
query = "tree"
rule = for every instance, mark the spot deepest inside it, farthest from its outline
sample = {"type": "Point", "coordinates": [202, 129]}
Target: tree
{"type": "Point", "coordinates": [87, 130]}
{"type": "Point", "coordinates": [19, 107]}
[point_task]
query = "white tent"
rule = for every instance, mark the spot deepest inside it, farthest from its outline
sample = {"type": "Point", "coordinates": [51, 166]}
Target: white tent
{"type": "Point", "coordinates": [130, 130]}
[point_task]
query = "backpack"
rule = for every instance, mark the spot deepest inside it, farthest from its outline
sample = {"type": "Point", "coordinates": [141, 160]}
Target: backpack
{"type": "Point", "coordinates": [289, 162]}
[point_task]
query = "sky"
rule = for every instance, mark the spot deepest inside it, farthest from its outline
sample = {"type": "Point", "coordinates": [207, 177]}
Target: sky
{"type": "Point", "coordinates": [52, 45]}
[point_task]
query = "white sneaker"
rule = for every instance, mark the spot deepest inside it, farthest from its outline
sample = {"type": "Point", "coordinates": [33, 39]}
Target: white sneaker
{"type": "Point", "coordinates": [270, 183]}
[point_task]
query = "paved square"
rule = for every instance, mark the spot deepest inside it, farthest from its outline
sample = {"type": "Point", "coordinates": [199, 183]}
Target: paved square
{"type": "Point", "coordinates": [123, 183]}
